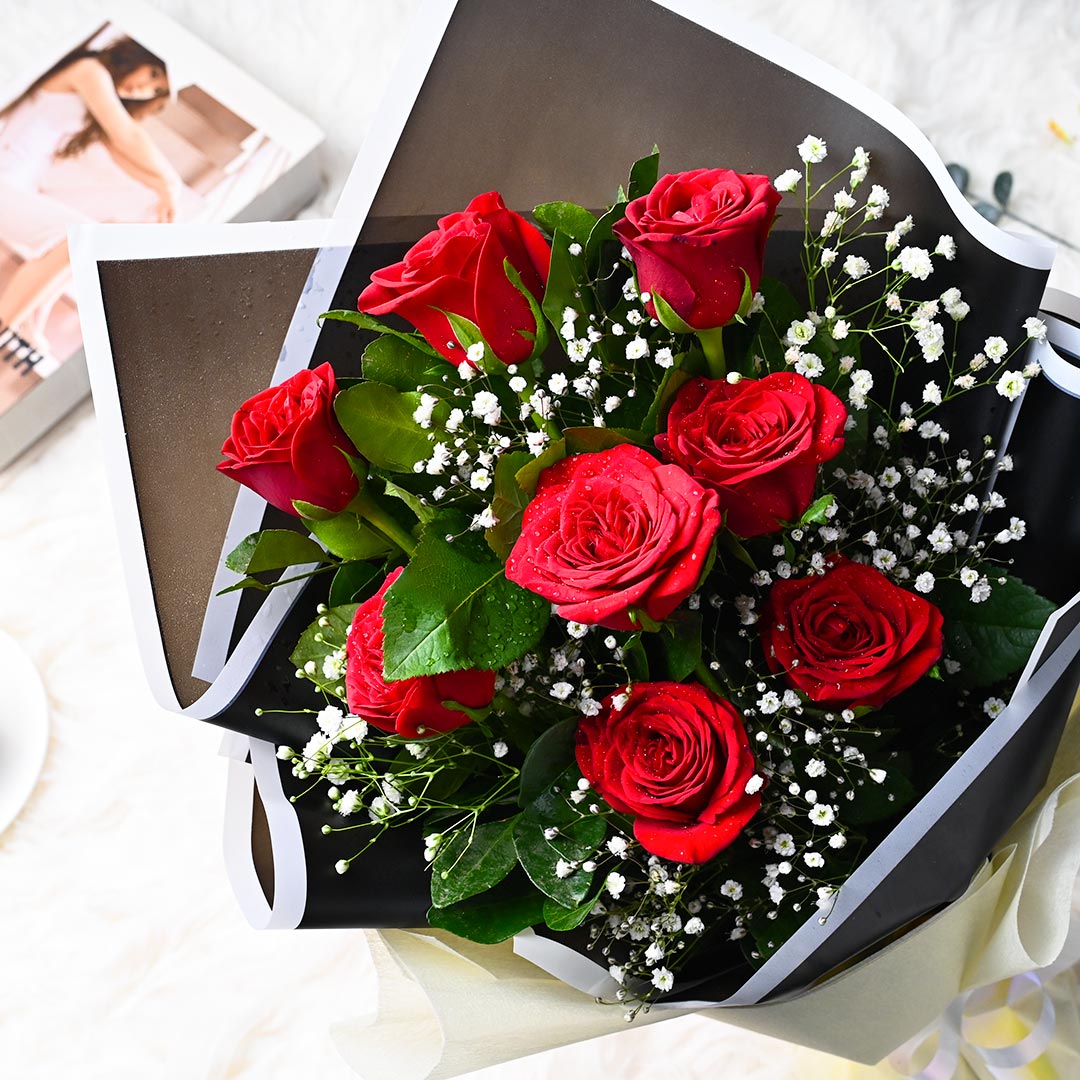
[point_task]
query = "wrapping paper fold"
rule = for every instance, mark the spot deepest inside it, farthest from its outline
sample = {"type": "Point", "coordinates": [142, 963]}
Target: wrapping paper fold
{"type": "Point", "coordinates": [438, 996]}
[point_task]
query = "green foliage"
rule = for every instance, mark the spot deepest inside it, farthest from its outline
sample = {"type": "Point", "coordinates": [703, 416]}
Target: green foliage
{"type": "Point", "coordinates": [574, 843]}
{"type": "Point", "coordinates": [401, 363]}
{"type": "Point", "coordinates": [350, 581]}
{"type": "Point", "coordinates": [379, 421]}
{"type": "Point", "coordinates": [680, 640]}
{"type": "Point", "coordinates": [643, 175]}
{"type": "Point", "coordinates": [875, 802]}
{"type": "Point", "coordinates": [529, 473]}
{"type": "Point", "coordinates": [453, 608]}
{"type": "Point", "coordinates": [369, 322]}
{"type": "Point", "coordinates": [669, 317]}
{"type": "Point", "coordinates": [508, 502]}
{"type": "Point", "coordinates": [994, 639]}
{"type": "Point", "coordinates": [507, 909]}
{"type": "Point", "coordinates": [547, 759]}
{"type": "Point", "coordinates": [589, 440]}
{"type": "Point", "coordinates": [472, 861]}
{"type": "Point", "coordinates": [348, 537]}
{"type": "Point", "coordinates": [273, 549]}
{"type": "Point", "coordinates": [318, 642]}
{"type": "Point", "coordinates": [572, 220]}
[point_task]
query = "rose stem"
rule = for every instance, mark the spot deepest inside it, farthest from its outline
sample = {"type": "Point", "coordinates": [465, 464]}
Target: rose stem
{"type": "Point", "coordinates": [712, 344]}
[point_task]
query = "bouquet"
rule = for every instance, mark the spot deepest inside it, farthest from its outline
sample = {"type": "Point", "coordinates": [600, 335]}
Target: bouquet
{"type": "Point", "coordinates": [659, 588]}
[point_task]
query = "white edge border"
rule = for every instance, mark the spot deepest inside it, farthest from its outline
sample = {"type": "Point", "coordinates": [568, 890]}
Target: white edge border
{"type": "Point", "coordinates": [286, 842]}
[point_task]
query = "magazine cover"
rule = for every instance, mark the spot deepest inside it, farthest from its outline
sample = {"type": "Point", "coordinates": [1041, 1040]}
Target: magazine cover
{"type": "Point", "coordinates": [135, 121]}
{"type": "Point", "coordinates": [626, 569]}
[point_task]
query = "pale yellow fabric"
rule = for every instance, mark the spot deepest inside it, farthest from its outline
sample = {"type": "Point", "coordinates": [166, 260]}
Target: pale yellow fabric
{"type": "Point", "coordinates": [447, 1007]}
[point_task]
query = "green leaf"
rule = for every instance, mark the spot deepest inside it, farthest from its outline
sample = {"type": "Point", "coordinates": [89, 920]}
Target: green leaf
{"type": "Point", "coordinates": [872, 802]}
{"type": "Point", "coordinates": [399, 362]}
{"type": "Point", "coordinates": [547, 759]}
{"type": "Point", "coordinates": [472, 861]}
{"type": "Point", "coordinates": [746, 299]}
{"type": "Point", "coordinates": [348, 537]}
{"type": "Point", "coordinates": [349, 581]}
{"type": "Point", "coordinates": [563, 918]}
{"type": "Point", "coordinates": [540, 338]}
{"type": "Point", "coordinates": [424, 512]}
{"type": "Point", "coordinates": [681, 642]}
{"type": "Point", "coordinates": [551, 806]}
{"type": "Point", "coordinates": [562, 282]}
{"type": "Point", "coordinates": [727, 540]}
{"type": "Point", "coordinates": [453, 608]}
{"type": "Point", "coordinates": [529, 473]}
{"type": "Point", "coordinates": [575, 221]}
{"type": "Point", "coordinates": [508, 503]}
{"type": "Point", "coordinates": [675, 378]}
{"type": "Point", "coordinates": [602, 235]}
{"type": "Point", "coordinates": [369, 322]}
{"type": "Point", "coordinates": [311, 512]}
{"type": "Point", "coordinates": [643, 175]}
{"type": "Point", "coordinates": [539, 856]}
{"type": "Point", "coordinates": [379, 421]}
{"type": "Point", "coordinates": [994, 639]}
{"type": "Point", "coordinates": [273, 549]}
{"type": "Point", "coordinates": [318, 642]}
{"type": "Point", "coordinates": [588, 440]}
{"type": "Point", "coordinates": [493, 916]}
{"type": "Point", "coordinates": [669, 317]}
{"type": "Point", "coordinates": [815, 513]}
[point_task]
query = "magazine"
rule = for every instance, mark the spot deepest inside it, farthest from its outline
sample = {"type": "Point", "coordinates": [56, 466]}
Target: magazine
{"type": "Point", "coordinates": [134, 121]}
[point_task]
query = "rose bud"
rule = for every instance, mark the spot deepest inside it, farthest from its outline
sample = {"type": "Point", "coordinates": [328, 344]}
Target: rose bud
{"type": "Point", "coordinates": [458, 268]}
{"type": "Point", "coordinates": [676, 757]}
{"type": "Point", "coordinates": [413, 707]}
{"type": "Point", "coordinates": [849, 636]}
{"type": "Point", "coordinates": [757, 443]}
{"type": "Point", "coordinates": [286, 444]}
{"type": "Point", "coordinates": [696, 238]}
{"type": "Point", "coordinates": [613, 533]}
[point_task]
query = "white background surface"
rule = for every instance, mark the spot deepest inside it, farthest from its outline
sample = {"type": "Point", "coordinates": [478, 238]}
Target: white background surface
{"type": "Point", "coordinates": [122, 954]}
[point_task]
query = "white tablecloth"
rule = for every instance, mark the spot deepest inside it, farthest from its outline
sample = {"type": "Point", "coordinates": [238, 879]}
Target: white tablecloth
{"type": "Point", "coordinates": [122, 954]}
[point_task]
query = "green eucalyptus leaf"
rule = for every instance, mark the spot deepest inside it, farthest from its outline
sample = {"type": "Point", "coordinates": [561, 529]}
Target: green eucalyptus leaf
{"type": "Point", "coordinates": [472, 861]}
{"type": "Point", "coordinates": [453, 608]}
{"type": "Point", "coordinates": [273, 549]}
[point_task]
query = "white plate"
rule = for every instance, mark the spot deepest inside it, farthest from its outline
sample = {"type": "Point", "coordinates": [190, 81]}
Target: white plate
{"type": "Point", "coordinates": [24, 728]}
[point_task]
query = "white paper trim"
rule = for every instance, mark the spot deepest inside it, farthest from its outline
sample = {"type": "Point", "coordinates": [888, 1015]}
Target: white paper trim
{"type": "Point", "coordinates": [286, 841]}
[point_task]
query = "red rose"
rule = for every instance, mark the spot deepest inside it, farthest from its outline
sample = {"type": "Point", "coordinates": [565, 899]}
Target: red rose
{"type": "Point", "coordinates": [757, 443]}
{"type": "Point", "coordinates": [678, 759]}
{"type": "Point", "coordinates": [459, 268]}
{"type": "Point", "coordinates": [693, 236]}
{"type": "Point", "coordinates": [410, 707]}
{"type": "Point", "coordinates": [614, 532]}
{"type": "Point", "coordinates": [849, 636]}
{"type": "Point", "coordinates": [286, 444]}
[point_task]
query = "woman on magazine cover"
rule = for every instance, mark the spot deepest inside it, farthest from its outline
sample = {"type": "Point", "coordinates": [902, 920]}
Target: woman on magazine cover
{"type": "Point", "coordinates": [89, 96]}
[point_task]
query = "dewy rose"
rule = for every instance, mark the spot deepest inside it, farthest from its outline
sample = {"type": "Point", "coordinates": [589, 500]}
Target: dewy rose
{"type": "Point", "coordinates": [286, 444]}
{"type": "Point", "coordinates": [696, 238]}
{"type": "Point", "coordinates": [757, 443]}
{"type": "Point", "coordinates": [612, 533]}
{"type": "Point", "coordinates": [677, 758]}
{"type": "Point", "coordinates": [850, 636]}
{"type": "Point", "coordinates": [414, 707]}
{"type": "Point", "coordinates": [458, 268]}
